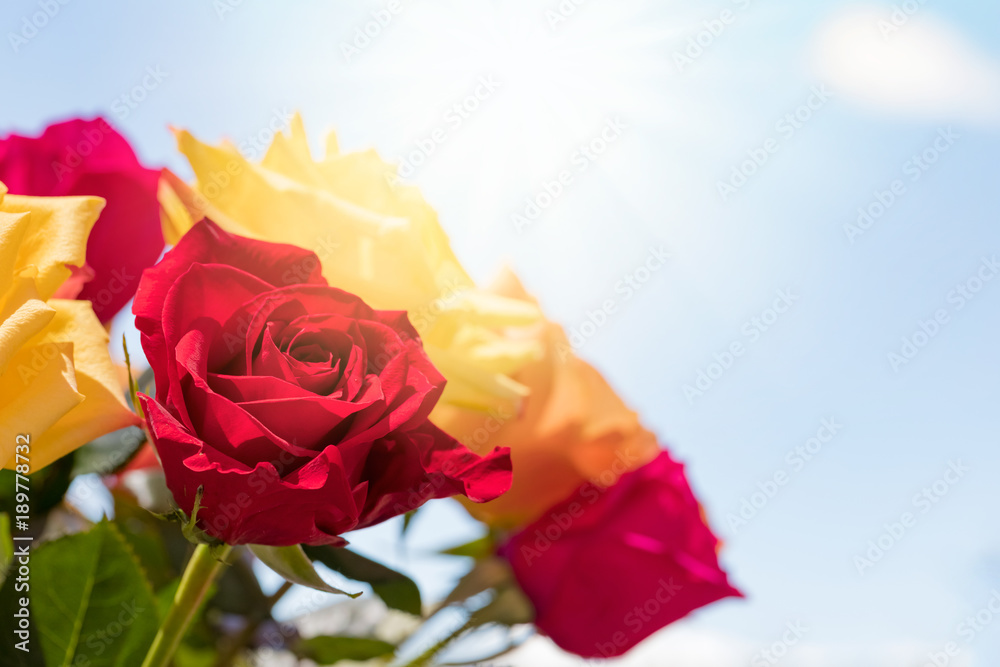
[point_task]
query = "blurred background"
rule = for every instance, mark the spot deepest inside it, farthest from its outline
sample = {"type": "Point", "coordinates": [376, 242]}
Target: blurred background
{"type": "Point", "coordinates": [823, 176]}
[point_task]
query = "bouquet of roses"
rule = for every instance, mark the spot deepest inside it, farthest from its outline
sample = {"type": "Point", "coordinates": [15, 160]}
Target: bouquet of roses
{"type": "Point", "coordinates": [319, 361]}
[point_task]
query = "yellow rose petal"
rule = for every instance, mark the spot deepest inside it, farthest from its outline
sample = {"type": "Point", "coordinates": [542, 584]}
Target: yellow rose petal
{"type": "Point", "coordinates": [13, 227]}
{"type": "Point", "coordinates": [175, 218]}
{"type": "Point", "coordinates": [574, 428]}
{"type": "Point", "coordinates": [23, 315]}
{"type": "Point", "coordinates": [375, 238]}
{"type": "Point", "coordinates": [59, 227]}
{"type": "Point", "coordinates": [57, 382]}
{"type": "Point", "coordinates": [40, 389]}
{"type": "Point", "coordinates": [103, 408]}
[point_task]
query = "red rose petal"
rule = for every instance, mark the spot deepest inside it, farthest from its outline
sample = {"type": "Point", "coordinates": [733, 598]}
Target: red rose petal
{"type": "Point", "coordinates": [88, 157]}
{"type": "Point", "coordinates": [640, 543]}
{"type": "Point", "coordinates": [300, 410]}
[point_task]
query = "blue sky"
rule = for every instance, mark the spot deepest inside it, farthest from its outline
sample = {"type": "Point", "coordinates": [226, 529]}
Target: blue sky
{"type": "Point", "coordinates": [684, 128]}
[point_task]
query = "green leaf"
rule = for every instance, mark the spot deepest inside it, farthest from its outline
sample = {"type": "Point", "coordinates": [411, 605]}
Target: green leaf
{"type": "Point", "coordinates": [484, 575]}
{"type": "Point", "coordinates": [331, 650]}
{"type": "Point", "coordinates": [396, 589]}
{"type": "Point", "coordinates": [238, 591]}
{"type": "Point", "coordinates": [6, 545]}
{"type": "Point", "coordinates": [509, 606]}
{"type": "Point", "coordinates": [487, 660]}
{"type": "Point", "coordinates": [193, 656]}
{"type": "Point", "coordinates": [132, 387]}
{"type": "Point", "coordinates": [108, 453]}
{"type": "Point", "coordinates": [91, 602]}
{"type": "Point", "coordinates": [9, 624]}
{"type": "Point", "coordinates": [48, 486]}
{"type": "Point", "coordinates": [407, 519]}
{"type": "Point", "coordinates": [293, 564]}
{"type": "Point", "coordinates": [142, 531]}
{"type": "Point", "coordinates": [477, 549]}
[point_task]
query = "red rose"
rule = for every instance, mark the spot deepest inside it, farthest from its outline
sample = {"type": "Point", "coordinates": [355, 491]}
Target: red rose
{"type": "Point", "coordinates": [87, 157]}
{"type": "Point", "coordinates": [300, 410]}
{"type": "Point", "coordinates": [606, 568]}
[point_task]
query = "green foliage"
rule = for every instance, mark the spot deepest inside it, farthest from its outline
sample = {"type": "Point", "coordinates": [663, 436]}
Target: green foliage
{"type": "Point", "coordinates": [331, 650]}
{"type": "Point", "coordinates": [483, 547]}
{"type": "Point", "coordinates": [6, 545]}
{"type": "Point", "coordinates": [9, 605]}
{"type": "Point", "coordinates": [108, 453]}
{"type": "Point", "coordinates": [396, 589]}
{"type": "Point", "coordinates": [407, 520]}
{"type": "Point", "coordinates": [486, 574]}
{"type": "Point", "coordinates": [142, 531]}
{"type": "Point", "coordinates": [48, 486]}
{"type": "Point", "coordinates": [293, 564]}
{"type": "Point", "coordinates": [90, 600]}
{"type": "Point", "coordinates": [133, 388]}
{"type": "Point", "coordinates": [237, 589]}
{"type": "Point", "coordinates": [508, 604]}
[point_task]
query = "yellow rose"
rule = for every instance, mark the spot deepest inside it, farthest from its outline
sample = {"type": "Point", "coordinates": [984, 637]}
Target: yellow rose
{"type": "Point", "coordinates": [374, 237]}
{"type": "Point", "coordinates": [57, 383]}
{"type": "Point", "coordinates": [574, 429]}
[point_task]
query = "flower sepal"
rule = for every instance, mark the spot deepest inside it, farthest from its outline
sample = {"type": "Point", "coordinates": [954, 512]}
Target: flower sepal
{"type": "Point", "coordinates": [189, 524]}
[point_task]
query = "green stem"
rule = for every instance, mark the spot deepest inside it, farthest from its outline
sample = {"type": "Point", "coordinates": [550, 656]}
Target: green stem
{"type": "Point", "coordinates": [199, 574]}
{"type": "Point", "coordinates": [426, 656]}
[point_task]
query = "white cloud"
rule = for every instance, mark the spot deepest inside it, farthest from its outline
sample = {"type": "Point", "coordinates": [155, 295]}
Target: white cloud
{"type": "Point", "coordinates": [683, 645]}
{"type": "Point", "coordinates": [913, 65]}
